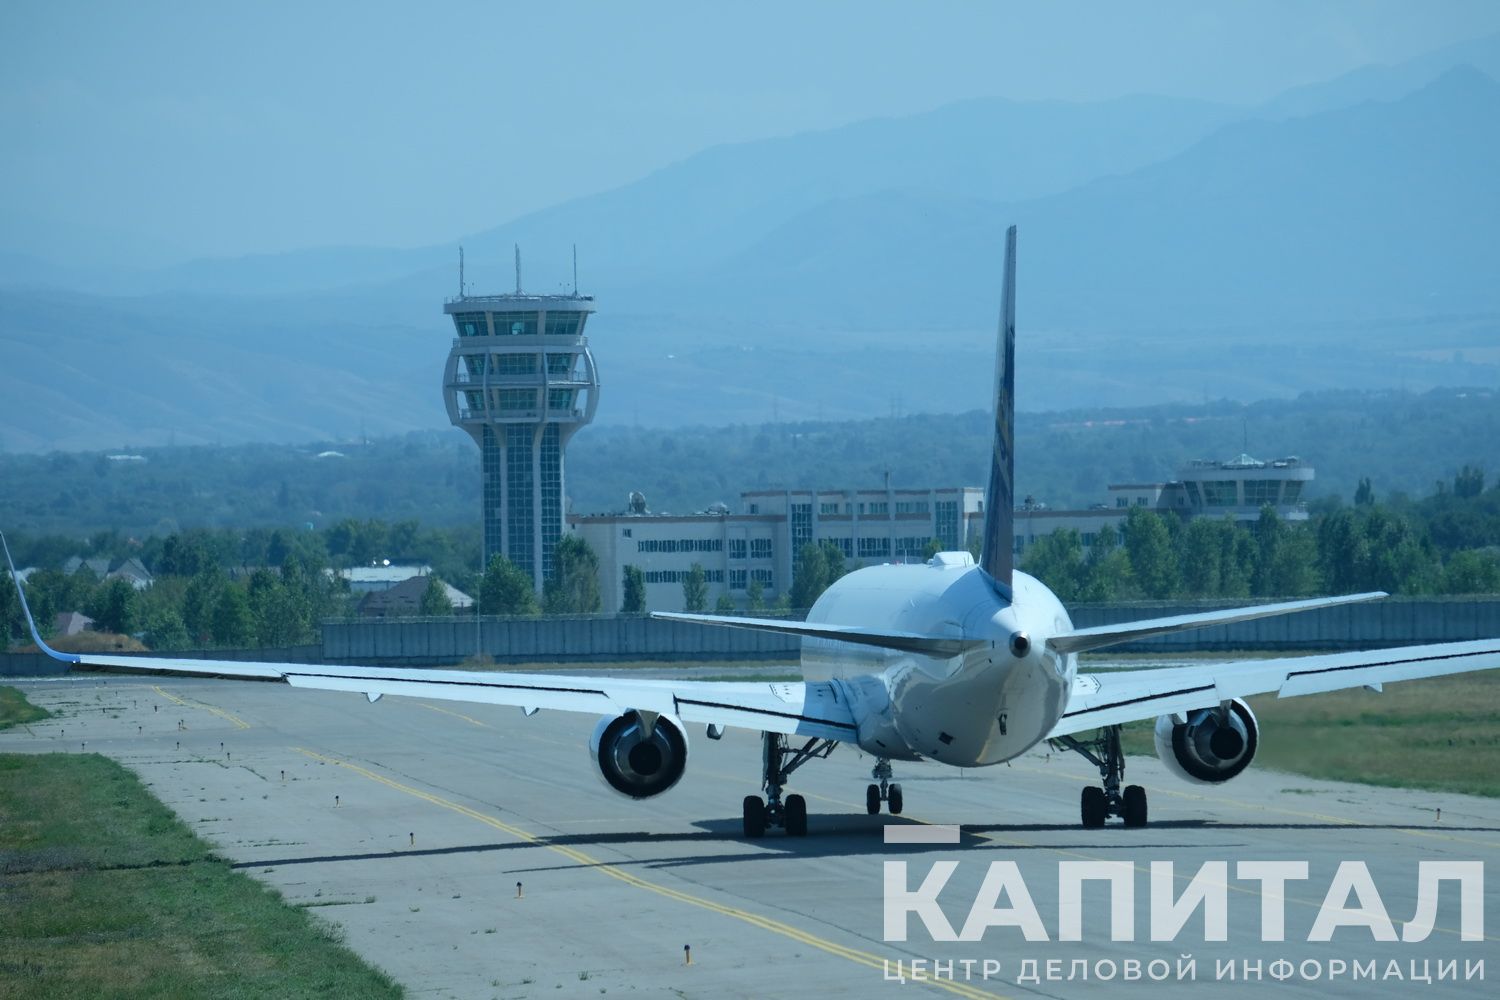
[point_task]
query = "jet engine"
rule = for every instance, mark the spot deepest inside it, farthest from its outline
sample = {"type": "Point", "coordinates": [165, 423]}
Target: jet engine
{"type": "Point", "coordinates": [639, 754]}
{"type": "Point", "coordinates": [1214, 745]}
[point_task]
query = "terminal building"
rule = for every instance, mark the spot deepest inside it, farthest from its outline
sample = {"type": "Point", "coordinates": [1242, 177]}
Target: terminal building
{"type": "Point", "coordinates": [760, 542]}
{"type": "Point", "coordinates": [1238, 488]}
{"type": "Point", "coordinates": [520, 380]}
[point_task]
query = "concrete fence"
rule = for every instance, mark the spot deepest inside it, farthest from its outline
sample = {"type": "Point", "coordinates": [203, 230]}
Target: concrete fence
{"type": "Point", "coordinates": [619, 638]}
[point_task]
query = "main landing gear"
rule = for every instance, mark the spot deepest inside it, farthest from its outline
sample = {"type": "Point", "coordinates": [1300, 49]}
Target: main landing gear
{"type": "Point", "coordinates": [885, 791]}
{"type": "Point", "coordinates": [781, 760]}
{"type": "Point", "coordinates": [1098, 804]}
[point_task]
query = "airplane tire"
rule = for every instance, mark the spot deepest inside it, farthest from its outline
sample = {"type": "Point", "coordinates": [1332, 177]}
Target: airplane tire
{"type": "Point", "coordinates": [872, 799]}
{"type": "Point", "coordinates": [754, 816]}
{"type": "Point", "coordinates": [893, 800]}
{"type": "Point", "coordinates": [1094, 807]}
{"type": "Point", "coordinates": [796, 816]}
{"type": "Point", "coordinates": [1135, 805]}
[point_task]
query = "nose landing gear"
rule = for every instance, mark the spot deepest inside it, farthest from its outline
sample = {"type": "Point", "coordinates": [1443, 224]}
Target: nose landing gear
{"type": "Point", "coordinates": [1098, 804]}
{"type": "Point", "coordinates": [886, 791]}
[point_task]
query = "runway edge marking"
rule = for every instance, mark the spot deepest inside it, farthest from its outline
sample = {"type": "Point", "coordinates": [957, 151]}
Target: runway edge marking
{"type": "Point", "coordinates": [190, 703]}
{"type": "Point", "coordinates": [765, 923]}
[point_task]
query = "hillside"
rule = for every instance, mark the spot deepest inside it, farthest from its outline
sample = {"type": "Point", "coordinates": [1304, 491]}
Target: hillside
{"type": "Point", "coordinates": [1403, 442]}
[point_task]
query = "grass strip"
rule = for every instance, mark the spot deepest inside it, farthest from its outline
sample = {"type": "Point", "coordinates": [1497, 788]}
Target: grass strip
{"type": "Point", "coordinates": [104, 892]}
{"type": "Point", "coordinates": [15, 710]}
{"type": "Point", "coordinates": [1440, 734]}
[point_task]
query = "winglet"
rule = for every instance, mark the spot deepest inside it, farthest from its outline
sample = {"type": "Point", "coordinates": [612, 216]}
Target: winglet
{"type": "Point", "coordinates": [26, 610]}
{"type": "Point", "coordinates": [997, 559]}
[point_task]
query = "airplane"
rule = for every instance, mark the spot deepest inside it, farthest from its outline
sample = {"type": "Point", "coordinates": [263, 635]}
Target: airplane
{"type": "Point", "coordinates": [962, 663]}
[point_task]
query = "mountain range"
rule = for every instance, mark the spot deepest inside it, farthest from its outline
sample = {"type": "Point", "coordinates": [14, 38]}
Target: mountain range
{"type": "Point", "coordinates": [1337, 236]}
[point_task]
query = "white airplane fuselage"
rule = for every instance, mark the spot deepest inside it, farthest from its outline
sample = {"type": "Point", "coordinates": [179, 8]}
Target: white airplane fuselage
{"type": "Point", "coordinates": [981, 707]}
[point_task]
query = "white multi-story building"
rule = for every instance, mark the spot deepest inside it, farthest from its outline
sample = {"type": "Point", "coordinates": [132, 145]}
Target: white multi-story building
{"type": "Point", "coordinates": [761, 542]}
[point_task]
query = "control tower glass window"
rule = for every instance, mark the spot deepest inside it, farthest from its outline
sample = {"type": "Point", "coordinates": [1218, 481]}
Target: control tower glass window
{"type": "Point", "coordinates": [518, 502]}
{"type": "Point", "coordinates": [560, 365]}
{"type": "Point", "coordinates": [563, 324]}
{"type": "Point", "coordinates": [515, 364]}
{"type": "Point", "coordinates": [515, 324]}
{"type": "Point", "coordinates": [1220, 493]}
{"type": "Point", "coordinates": [1259, 492]}
{"type": "Point", "coordinates": [471, 324]}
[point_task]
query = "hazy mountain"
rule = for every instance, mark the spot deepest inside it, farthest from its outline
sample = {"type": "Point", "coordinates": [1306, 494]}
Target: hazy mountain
{"type": "Point", "coordinates": [853, 273]}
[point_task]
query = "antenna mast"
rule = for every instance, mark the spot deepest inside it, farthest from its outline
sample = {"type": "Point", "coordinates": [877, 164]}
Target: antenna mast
{"type": "Point", "coordinates": [518, 269]}
{"type": "Point", "coordinates": [460, 270]}
{"type": "Point", "coordinates": [575, 270]}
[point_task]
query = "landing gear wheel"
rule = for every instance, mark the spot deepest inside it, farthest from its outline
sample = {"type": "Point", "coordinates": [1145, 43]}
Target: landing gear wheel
{"type": "Point", "coordinates": [893, 800]}
{"type": "Point", "coordinates": [1094, 807]}
{"type": "Point", "coordinates": [795, 816]}
{"type": "Point", "coordinates": [1134, 809]}
{"type": "Point", "coordinates": [872, 799]}
{"type": "Point", "coordinates": [754, 816]}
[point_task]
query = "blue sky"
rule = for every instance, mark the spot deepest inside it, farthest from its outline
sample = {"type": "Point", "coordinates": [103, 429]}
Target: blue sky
{"type": "Point", "coordinates": [159, 132]}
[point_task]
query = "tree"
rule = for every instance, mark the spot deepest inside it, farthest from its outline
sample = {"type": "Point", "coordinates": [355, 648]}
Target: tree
{"type": "Point", "coordinates": [574, 587]}
{"type": "Point", "coordinates": [435, 602]}
{"type": "Point", "coordinates": [809, 576]}
{"type": "Point", "coordinates": [1472, 572]}
{"type": "Point", "coordinates": [198, 603]}
{"type": "Point", "coordinates": [164, 629]}
{"type": "Point", "coordinates": [755, 595]}
{"type": "Point", "coordinates": [635, 591]}
{"type": "Point", "coordinates": [506, 590]}
{"type": "Point", "coordinates": [113, 607]}
{"type": "Point", "coordinates": [1469, 482]}
{"type": "Point", "coordinates": [1364, 496]}
{"type": "Point", "coordinates": [695, 589]}
{"type": "Point", "coordinates": [724, 605]}
{"type": "Point", "coordinates": [12, 622]}
{"type": "Point", "coordinates": [932, 548]}
{"type": "Point", "coordinates": [1106, 574]}
{"type": "Point", "coordinates": [1152, 559]}
{"type": "Point", "coordinates": [1056, 559]}
{"type": "Point", "coordinates": [233, 621]}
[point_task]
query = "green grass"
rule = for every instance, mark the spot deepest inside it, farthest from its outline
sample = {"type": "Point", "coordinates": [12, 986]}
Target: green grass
{"type": "Point", "coordinates": [15, 710]}
{"type": "Point", "coordinates": [104, 892]}
{"type": "Point", "coordinates": [1441, 734]}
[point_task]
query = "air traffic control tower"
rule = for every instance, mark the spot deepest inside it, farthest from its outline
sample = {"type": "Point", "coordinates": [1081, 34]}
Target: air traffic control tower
{"type": "Point", "coordinates": [521, 381]}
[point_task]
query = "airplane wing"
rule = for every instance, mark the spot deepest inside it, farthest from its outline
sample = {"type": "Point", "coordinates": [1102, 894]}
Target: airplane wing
{"type": "Point", "coordinates": [910, 642]}
{"type": "Point", "coordinates": [797, 709]}
{"type": "Point", "coordinates": [1083, 639]}
{"type": "Point", "coordinates": [1115, 697]}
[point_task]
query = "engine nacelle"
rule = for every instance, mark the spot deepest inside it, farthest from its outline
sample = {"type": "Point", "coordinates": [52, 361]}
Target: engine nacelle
{"type": "Point", "coordinates": [1212, 746]}
{"type": "Point", "coordinates": [637, 756]}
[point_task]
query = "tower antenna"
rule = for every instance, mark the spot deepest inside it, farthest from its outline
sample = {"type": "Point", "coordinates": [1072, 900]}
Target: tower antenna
{"type": "Point", "coordinates": [460, 270]}
{"type": "Point", "coordinates": [518, 269]}
{"type": "Point", "coordinates": [575, 269]}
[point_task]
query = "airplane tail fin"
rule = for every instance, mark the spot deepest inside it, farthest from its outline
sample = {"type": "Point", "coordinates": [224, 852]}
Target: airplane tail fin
{"type": "Point", "coordinates": [36, 634]}
{"type": "Point", "coordinates": [997, 558]}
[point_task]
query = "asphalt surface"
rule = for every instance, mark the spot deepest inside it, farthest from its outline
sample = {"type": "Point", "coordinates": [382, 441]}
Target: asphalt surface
{"type": "Point", "coordinates": [410, 823]}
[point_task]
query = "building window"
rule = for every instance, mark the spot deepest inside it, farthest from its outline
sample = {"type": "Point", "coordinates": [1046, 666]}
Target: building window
{"type": "Point", "coordinates": [1140, 501]}
{"type": "Point", "coordinates": [560, 400]}
{"type": "Point", "coordinates": [801, 525]}
{"type": "Point", "coordinates": [737, 547]}
{"type": "Point", "coordinates": [828, 508]}
{"type": "Point", "coordinates": [625, 532]}
{"type": "Point", "coordinates": [563, 324]}
{"type": "Point", "coordinates": [881, 507]}
{"type": "Point", "coordinates": [516, 399]}
{"type": "Point", "coordinates": [1259, 492]}
{"type": "Point", "coordinates": [515, 324]}
{"type": "Point", "coordinates": [471, 324]}
{"type": "Point", "coordinates": [1088, 539]}
{"type": "Point", "coordinates": [1121, 502]}
{"type": "Point", "coordinates": [874, 548]}
{"type": "Point", "coordinates": [1019, 545]}
{"type": "Point", "coordinates": [755, 508]}
{"type": "Point", "coordinates": [1220, 493]}
{"type": "Point", "coordinates": [910, 507]}
{"type": "Point", "coordinates": [760, 548]}
{"type": "Point", "coordinates": [520, 526]}
{"type": "Point", "coordinates": [947, 524]}
{"type": "Point", "coordinates": [846, 546]}
{"type": "Point", "coordinates": [513, 364]}
{"type": "Point", "coordinates": [737, 579]}
{"type": "Point", "coordinates": [765, 577]}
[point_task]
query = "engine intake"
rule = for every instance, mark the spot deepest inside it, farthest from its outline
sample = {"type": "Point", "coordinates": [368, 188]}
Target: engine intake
{"type": "Point", "coordinates": [638, 754]}
{"type": "Point", "coordinates": [1212, 746]}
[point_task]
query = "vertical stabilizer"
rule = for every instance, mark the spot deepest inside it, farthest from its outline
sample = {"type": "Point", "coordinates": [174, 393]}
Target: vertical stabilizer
{"type": "Point", "coordinates": [997, 559]}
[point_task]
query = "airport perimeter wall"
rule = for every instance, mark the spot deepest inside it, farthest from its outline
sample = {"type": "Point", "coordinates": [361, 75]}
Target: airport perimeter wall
{"type": "Point", "coordinates": [624, 638]}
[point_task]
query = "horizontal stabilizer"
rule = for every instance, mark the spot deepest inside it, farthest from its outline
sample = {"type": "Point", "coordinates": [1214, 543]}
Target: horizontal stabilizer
{"type": "Point", "coordinates": [908, 642]}
{"type": "Point", "coordinates": [1084, 639]}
